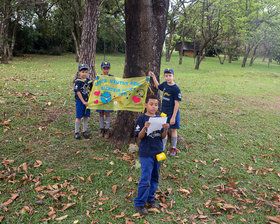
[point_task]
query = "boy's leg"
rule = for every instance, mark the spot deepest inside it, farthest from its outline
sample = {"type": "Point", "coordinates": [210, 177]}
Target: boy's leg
{"type": "Point", "coordinates": [101, 123]}
{"type": "Point", "coordinates": [108, 120]}
{"type": "Point", "coordinates": [79, 115]}
{"type": "Point", "coordinates": [147, 164]}
{"type": "Point", "coordinates": [174, 137]}
{"type": "Point", "coordinates": [108, 123]}
{"type": "Point", "coordinates": [77, 125]}
{"type": "Point", "coordinates": [77, 128]}
{"type": "Point", "coordinates": [85, 124]}
{"type": "Point", "coordinates": [174, 134]}
{"type": "Point", "coordinates": [164, 141]}
{"type": "Point", "coordinates": [154, 181]}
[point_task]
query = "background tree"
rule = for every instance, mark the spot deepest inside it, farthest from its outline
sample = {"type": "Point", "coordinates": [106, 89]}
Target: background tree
{"type": "Point", "coordinates": [72, 11]}
{"type": "Point", "coordinates": [89, 35]}
{"type": "Point", "coordinates": [171, 38]}
{"type": "Point", "coordinates": [145, 33]}
{"type": "Point", "coordinates": [111, 27]}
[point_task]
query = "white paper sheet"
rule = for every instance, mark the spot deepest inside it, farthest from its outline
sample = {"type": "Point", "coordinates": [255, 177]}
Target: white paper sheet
{"type": "Point", "coordinates": [156, 124]}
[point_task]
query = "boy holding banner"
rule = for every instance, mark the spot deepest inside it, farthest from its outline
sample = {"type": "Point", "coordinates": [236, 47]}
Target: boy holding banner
{"type": "Point", "coordinates": [82, 88]}
{"type": "Point", "coordinates": [105, 114]}
{"type": "Point", "coordinates": [170, 105]}
{"type": "Point", "coordinates": [150, 146]}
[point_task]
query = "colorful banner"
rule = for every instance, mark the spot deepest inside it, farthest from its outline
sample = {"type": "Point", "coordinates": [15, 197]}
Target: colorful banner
{"type": "Point", "coordinates": [112, 93]}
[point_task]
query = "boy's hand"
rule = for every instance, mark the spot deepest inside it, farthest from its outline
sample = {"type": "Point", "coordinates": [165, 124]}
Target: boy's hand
{"type": "Point", "coordinates": [147, 124]}
{"type": "Point", "coordinates": [165, 126]}
{"type": "Point", "coordinates": [86, 104]}
{"type": "Point", "coordinates": [172, 120]}
{"type": "Point", "coordinates": [151, 74]}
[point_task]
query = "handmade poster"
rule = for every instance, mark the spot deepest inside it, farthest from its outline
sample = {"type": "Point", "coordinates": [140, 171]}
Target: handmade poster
{"type": "Point", "coordinates": [113, 93]}
{"type": "Point", "coordinates": [156, 124]}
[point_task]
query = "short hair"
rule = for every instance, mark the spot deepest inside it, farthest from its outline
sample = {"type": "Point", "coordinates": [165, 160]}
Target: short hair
{"type": "Point", "coordinates": [151, 97]}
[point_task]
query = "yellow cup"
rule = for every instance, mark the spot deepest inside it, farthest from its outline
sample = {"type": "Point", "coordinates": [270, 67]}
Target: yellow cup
{"type": "Point", "coordinates": [163, 115]}
{"type": "Point", "coordinates": [161, 157]}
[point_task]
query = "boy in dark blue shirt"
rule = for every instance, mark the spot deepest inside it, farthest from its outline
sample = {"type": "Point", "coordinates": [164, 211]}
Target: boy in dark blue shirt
{"type": "Point", "coordinates": [170, 105]}
{"type": "Point", "coordinates": [82, 88]}
{"type": "Point", "coordinates": [150, 145]}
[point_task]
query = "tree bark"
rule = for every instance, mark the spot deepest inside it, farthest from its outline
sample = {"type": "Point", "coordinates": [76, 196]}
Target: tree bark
{"type": "Point", "coordinates": [89, 38]}
{"type": "Point", "coordinates": [219, 57]}
{"type": "Point", "coordinates": [4, 28]}
{"type": "Point", "coordinates": [253, 56]}
{"type": "Point", "coordinates": [168, 49]}
{"type": "Point", "coordinates": [145, 33]}
{"type": "Point", "coordinates": [182, 46]}
{"type": "Point", "coordinates": [246, 55]}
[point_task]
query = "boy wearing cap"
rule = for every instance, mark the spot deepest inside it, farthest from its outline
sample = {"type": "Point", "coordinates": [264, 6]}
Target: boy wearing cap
{"type": "Point", "coordinates": [82, 88]}
{"type": "Point", "coordinates": [170, 105]}
{"type": "Point", "coordinates": [104, 115]}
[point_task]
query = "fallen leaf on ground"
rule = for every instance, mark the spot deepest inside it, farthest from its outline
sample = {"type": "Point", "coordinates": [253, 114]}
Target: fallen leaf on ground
{"type": "Point", "coordinates": [81, 178]}
{"type": "Point", "coordinates": [230, 217]}
{"type": "Point", "coordinates": [24, 209]}
{"type": "Point", "coordinates": [61, 218]}
{"type": "Point", "coordinates": [110, 172]}
{"type": "Point", "coordinates": [273, 218]}
{"type": "Point", "coordinates": [155, 210]}
{"type": "Point", "coordinates": [95, 158]}
{"type": "Point", "coordinates": [66, 206]}
{"type": "Point", "coordinates": [24, 167]}
{"type": "Point", "coordinates": [5, 204]}
{"type": "Point", "coordinates": [120, 216]}
{"type": "Point", "coordinates": [38, 163]}
{"type": "Point", "coordinates": [114, 188]}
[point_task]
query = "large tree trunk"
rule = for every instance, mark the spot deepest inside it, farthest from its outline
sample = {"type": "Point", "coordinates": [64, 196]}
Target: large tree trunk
{"type": "Point", "coordinates": [4, 28]}
{"type": "Point", "coordinates": [89, 38]}
{"type": "Point", "coordinates": [145, 33]}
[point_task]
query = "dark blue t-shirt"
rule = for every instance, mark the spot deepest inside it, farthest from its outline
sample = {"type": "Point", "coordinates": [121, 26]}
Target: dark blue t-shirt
{"type": "Point", "coordinates": [84, 87]}
{"type": "Point", "coordinates": [170, 94]}
{"type": "Point", "coordinates": [151, 144]}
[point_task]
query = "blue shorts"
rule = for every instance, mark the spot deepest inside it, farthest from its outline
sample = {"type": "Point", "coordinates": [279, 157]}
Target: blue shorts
{"type": "Point", "coordinates": [106, 111]}
{"type": "Point", "coordinates": [81, 110]}
{"type": "Point", "coordinates": [177, 121]}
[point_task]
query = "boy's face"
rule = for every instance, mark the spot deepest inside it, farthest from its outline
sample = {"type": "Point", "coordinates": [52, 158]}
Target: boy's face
{"type": "Point", "coordinates": [83, 73]}
{"type": "Point", "coordinates": [168, 77]}
{"type": "Point", "coordinates": [105, 70]}
{"type": "Point", "coordinates": [152, 106]}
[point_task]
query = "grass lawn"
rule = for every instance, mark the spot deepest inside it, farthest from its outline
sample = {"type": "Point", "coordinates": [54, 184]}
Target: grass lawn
{"type": "Point", "coordinates": [227, 170]}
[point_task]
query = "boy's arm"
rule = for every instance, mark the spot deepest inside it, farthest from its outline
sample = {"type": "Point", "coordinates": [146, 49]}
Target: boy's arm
{"type": "Point", "coordinates": [81, 98]}
{"type": "Point", "coordinates": [175, 110]}
{"type": "Point", "coordinates": [164, 133]}
{"type": "Point", "coordinates": [154, 79]}
{"type": "Point", "coordinates": [143, 131]}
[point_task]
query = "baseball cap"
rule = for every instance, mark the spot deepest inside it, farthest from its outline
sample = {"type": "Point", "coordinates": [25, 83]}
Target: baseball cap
{"type": "Point", "coordinates": [169, 70]}
{"type": "Point", "coordinates": [82, 66]}
{"type": "Point", "coordinates": [105, 64]}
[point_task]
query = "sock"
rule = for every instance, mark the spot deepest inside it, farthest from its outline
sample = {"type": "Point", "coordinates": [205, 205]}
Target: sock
{"type": "Point", "coordinates": [164, 141]}
{"type": "Point", "coordinates": [108, 122]}
{"type": "Point", "coordinates": [101, 122]}
{"type": "Point", "coordinates": [77, 126]}
{"type": "Point", "coordinates": [174, 142]}
{"type": "Point", "coordinates": [85, 124]}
